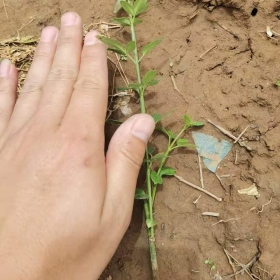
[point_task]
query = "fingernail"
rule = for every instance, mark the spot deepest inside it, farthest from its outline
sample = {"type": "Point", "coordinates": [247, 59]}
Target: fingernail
{"type": "Point", "coordinates": [5, 68]}
{"type": "Point", "coordinates": [69, 19]}
{"type": "Point", "coordinates": [91, 39]}
{"type": "Point", "coordinates": [48, 34]}
{"type": "Point", "coordinates": [143, 128]}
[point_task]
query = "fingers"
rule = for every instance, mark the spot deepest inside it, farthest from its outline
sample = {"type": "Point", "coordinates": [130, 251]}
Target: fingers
{"type": "Point", "coordinates": [30, 95]}
{"type": "Point", "coordinates": [8, 87]}
{"type": "Point", "coordinates": [124, 159]}
{"type": "Point", "coordinates": [89, 100]}
{"type": "Point", "coordinates": [63, 74]}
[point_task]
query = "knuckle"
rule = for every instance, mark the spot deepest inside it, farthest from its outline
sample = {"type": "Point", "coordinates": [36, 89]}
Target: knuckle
{"type": "Point", "coordinates": [43, 52]}
{"type": "Point", "coordinates": [4, 86]}
{"type": "Point", "coordinates": [31, 88]}
{"type": "Point", "coordinates": [66, 39]}
{"type": "Point", "coordinates": [62, 73]}
{"type": "Point", "coordinates": [88, 84]}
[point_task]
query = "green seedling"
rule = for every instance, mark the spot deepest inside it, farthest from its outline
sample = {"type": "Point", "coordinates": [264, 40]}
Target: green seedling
{"type": "Point", "coordinates": [210, 263]}
{"type": "Point", "coordinates": [154, 176]}
{"type": "Point", "coordinates": [277, 83]}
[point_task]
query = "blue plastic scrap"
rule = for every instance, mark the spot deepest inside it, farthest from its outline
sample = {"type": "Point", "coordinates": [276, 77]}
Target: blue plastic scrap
{"type": "Point", "coordinates": [211, 150]}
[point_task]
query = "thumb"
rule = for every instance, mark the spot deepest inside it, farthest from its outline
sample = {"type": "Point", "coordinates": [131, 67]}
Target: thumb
{"type": "Point", "coordinates": [123, 162]}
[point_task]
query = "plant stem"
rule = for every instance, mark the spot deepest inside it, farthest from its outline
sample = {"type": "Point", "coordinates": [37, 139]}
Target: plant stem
{"type": "Point", "coordinates": [148, 206]}
{"type": "Point", "coordinates": [169, 149]}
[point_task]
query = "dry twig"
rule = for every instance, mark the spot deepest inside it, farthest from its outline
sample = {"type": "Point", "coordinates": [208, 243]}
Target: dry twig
{"type": "Point", "coordinates": [200, 172]}
{"type": "Point", "coordinates": [197, 188]}
{"type": "Point", "coordinates": [231, 263]}
{"type": "Point", "coordinates": [244, 267]}
{"type": "Point", "coordinates": [5, 8]}
{"type": "Point", "coordinates": [206, 52]}
{"type": "Point", "coordinates": [230, 135]}
{"type": "Point", "coordinates": [238, 138]}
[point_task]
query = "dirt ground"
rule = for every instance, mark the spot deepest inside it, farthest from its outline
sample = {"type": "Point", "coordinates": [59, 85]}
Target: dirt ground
{"type": "Point", "coordinates": [234, 86]}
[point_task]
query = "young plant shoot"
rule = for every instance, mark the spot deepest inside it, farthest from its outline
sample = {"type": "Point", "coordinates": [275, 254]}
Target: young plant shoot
{"type": "Point", "coordinates": [154, 177]}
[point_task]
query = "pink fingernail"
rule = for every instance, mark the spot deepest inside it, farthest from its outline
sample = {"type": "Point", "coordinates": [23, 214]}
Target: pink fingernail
{"type": "Point", "coordinates": [48, 34]}
{"type": "Point", "coordinates": [5, 68]}
{"type": "Point", "coordinates": [69, 19]}
{"type": "Point", "coordinates": [91, 38]}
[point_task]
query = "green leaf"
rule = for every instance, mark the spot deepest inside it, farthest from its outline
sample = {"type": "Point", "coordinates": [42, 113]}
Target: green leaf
{"type": "Point", "coordinates": [128, 8]}
{"type": "Point", "coordinates": [153, 83]}
{"type": "Point", "coordinates": [137, 21]}
{"type": "Point", "coordinates": [140, 6]}
{"type": "Point", "coordinates": [151, 150]}
{"type": "Point", "coordinates": [122, 21]}
{"type": "Point", "coordinates": [157, 117]}
{"type": "Point", "coordinates": [158, 156]}
{"type": "Point", "coordinates": [150, 223]}
{"type": "Point", "coordinates": [130, 47]}
{"type": "Point", "coordinates": [277, 83]}
{"type": "Point", "coordinates": [171, 134]}
{"type": "Point", "coordinates": [157, 179]}
{"type": "Point", "coordinates": [182, 143]}
{"type": "Point", "coordinates": [148, 48]}
{"type": "Point", "coordinates": [197, 124]}
{"type": "Point", "coordinates": [188, 120]}
{"type": "Point", "coordinates": [168, 171]}
{"type": "Point", "coordinates": [117, 6]}
{"type": "Point", "coordinates": [142, 10]}
{"type": "Point", "coordinates": [149, 77]}
{"type": "Point", "coordinates": [112, 44]}
{"type": "Point", "coordinates": [213, 267]}
{"type": "Point", "coordinates": [135, 87]}
{"type": "Point", "coordinates": [140, 194]}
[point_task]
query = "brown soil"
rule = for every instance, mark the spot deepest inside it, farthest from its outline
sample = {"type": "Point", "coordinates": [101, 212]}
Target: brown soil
{"type": "Point", "coordinates": [234, 86]}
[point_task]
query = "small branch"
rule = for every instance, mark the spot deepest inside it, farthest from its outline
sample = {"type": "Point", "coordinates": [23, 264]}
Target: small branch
{"type": "Point", "coordinates": [265, 205]}
{"type": "Point", "coordinates": [212, 48]}
{"type": "Point", "coordinates": [231, 263]}
{"type": "Point", "coordinates": [5, 8]}
{"type": "Point", "coordinates": [229, 31]}
{"type": "Point", "coordinates": [200, 172]}
{"type": "Point", "coordinates": [197, 188]}
{"type": "Point", "coordinates": [230, 135]}
{"type": "Point", "coordinates": [174, 84]}
{"type": "Point", "coordinates": [238, 138]}
{"type": "Point", "coordinates": [212, 214]}
{"type": "Point", "coordinates": [244, 267]}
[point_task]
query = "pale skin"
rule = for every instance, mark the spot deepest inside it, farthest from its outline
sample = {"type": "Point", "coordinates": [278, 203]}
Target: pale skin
{"type": "Point", "coordinates": [64, 204]}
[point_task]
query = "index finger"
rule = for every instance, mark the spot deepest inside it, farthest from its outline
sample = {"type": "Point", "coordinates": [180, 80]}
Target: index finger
{"type": "Point", "coordinates": [88, 104]}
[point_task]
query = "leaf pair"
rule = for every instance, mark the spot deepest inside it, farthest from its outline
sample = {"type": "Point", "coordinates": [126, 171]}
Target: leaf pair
{"type": "Point", "coordinates": [165, 171]}
{"type": "Point", "coordinates": [138, 7]}
{"type": "Point", "coordinates": [189, 121]}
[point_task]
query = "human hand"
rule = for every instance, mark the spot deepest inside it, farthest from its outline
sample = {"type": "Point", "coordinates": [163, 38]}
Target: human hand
{"type": "Point", "coordinates": [64, 205]}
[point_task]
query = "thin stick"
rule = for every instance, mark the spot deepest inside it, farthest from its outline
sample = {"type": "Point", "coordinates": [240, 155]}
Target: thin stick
{"type": "Point", "coordinates": [24, 25]}
{"type": "Point", "coordinates": [264, 206]}
{"type": "Point", "coordinates": [200, 172]}
{"type": "Point", "coordinates": [212, 214]}
{"type": "Point", "coordinates": [220, 180]}
{"type": "Point", "coordinates": [197, 188]}
{"type": "Point", "coordinates": [238, 138]}
{"type": "Point", "coordinates": [234, 219]}
{"type": "Point", "coordinates": [226, 29]}
{"type": "Point", "coordinates": [236, 157]}
{"type": "Point", "coordinates": [245, 267]}
{"type": "Point", "coordinates": [5, 8]}
{"type": "Point", "coordinates": [230, 135]}
{"type": "Point", "coordinates": [200, 58]}
{"type": "Point", "coordinates": [231, 264]}
{"type": "Point", "coordinates": [174, 84]}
